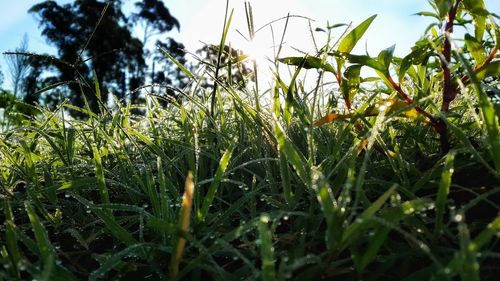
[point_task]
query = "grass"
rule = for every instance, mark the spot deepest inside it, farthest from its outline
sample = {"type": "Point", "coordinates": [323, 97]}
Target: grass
{"type": "Point", "coordinates": [267, 195]}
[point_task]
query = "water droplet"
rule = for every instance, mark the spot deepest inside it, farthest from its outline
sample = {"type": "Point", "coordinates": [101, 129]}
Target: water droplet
{"type": "Point", "coordinates": [458, 217]}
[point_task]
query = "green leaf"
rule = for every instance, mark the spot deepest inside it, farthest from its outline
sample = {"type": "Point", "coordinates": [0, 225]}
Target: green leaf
{"type": "Point", "coordinates": [177, 63]}
{"type": "Point", "coordinates": [350, 40]}
{"type": "Point", "coordinates": [428, 14]}
{"type": "Point", "coordinates": [294, 157]}
{"type": "Point", "coordinates": [443, 7]}
{"type": "Point", "coordinates": [476, 49]}
{"type": "Point", "coordinates": [212, 190]}
{"type": "Point", "coordinates": [103, 190]}
{"type": "Point", "coordinates": [444, 190]}
{"type": "Point", "coordinates": [109, 220]}
{"type": "Point", "coordinates": [385, 56]}
{"type": "Point", "coordinates": [492, 69]}
{"type": "Point", "coordinates": [266, 249]}
{"type": "Point", "coordinates": [42, 239]}
{"type": "Point", "coordinates": [352, 81]}
{"type": "Point", "coordinates": [419, 54]}
{"type": "Point", "coordinates": [308, 62]}
{"type": "Point", "coordinates": [116, 259]}
{"type": "Point", "coordinates": [356, 228]}
{"type": "Point", "coordinates": [352, 74]}
{"type": "Point", "coordinates": [362, 60]}
{"type": "Point", "coordinates": [477, 9]}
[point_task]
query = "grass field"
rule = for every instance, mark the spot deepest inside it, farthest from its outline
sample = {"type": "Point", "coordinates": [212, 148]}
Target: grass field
{"type": "Point", "coordinates": [286, 183]}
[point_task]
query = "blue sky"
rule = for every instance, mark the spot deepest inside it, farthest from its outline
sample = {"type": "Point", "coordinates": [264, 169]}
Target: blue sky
{"type": "Point", "coordinates": [201, 21]}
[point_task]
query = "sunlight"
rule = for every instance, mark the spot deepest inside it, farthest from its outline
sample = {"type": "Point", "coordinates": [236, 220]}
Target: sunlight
{"type": "Point", "coordinates": [258, 50]}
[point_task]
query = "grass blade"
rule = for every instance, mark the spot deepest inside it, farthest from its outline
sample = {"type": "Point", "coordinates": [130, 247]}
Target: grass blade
{"type": "Point", "coordinates": [444, 190]}
{"type": "Point", "coordinates": [185, 216]}
{"type": "Point", "coordinates": [266, 249]}
{"type": "Point", "coordinates": [212, 190]}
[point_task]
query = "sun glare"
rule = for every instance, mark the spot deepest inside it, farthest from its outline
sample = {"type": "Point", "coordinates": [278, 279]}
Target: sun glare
{"type": "Point", "coordinates": [258, 50]}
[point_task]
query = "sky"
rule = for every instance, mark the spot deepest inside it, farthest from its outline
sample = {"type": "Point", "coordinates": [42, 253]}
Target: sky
{"type": "Point", "coordinates": [202, 20]}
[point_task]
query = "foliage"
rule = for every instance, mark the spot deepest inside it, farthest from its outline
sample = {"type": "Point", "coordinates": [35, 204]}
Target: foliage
{"type": "Point", "coordinates": [18, 66]}
{"type": "Point", "coordinates": [223, 186]}
{"type": "Point", "coordinates": [107, 37]}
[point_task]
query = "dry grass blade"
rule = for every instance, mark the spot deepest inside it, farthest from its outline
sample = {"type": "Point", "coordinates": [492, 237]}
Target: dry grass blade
{"type": "Point", "coordinates": [187, 204]}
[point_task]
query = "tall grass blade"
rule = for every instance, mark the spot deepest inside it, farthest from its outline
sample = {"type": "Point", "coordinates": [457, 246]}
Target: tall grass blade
{"type": "Point", "coordinates": [101, 180]}
{"type": "Point", "coordinates": [266, 249]}
{"type": "Point", "coordinates": [212, 190]}
{"type": "Point", "coordinates": [444, 190]}
{"type": "Point", "coordinates": [185, 217]}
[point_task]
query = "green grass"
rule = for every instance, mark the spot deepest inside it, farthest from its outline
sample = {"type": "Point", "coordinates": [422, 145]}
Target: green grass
{"type": "Point", "coordinates": [369, 196]}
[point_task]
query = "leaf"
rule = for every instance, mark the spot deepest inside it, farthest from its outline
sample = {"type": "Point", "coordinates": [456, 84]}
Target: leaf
{"type": "Point", "coordinates": [336, 25]}
{"type": "Point", "coordinates": [266, 249]}
{"type": "Point", "coordinates": [385, 56]}
{"type": "Point", "coordinates": [492, 69]}
{"type": "Point", "coordinates": [42, 239]}
{"type": "Point", "coordinates": [476, 49]}
{"type": "Point", "coordinates": [103, 190]}
{"type": "Point", "coordinates": [330, 118]}
{"type": "Point", "coordinates": [308, 62]}
{"type": "Point", "coordinates": [294, 157]}
{"type": "Point", "coordinates": [116, 259]}
{"type": "Point", "coordinates": [419, 54]}
{"type": "Point", "coordinates": [109, 220]}
{"type": "Point", "coordinates": [391, 106]}
{"type": "Point", "coordinates": [444, 190]}
{"type": "Point", "coordinates": [428, 14]}
{"type": "Point", "coordinates": [362, 60]}
{"type": "Point", "coordinates": [350, 40]}
{"type": "Point", "coordinates": [177, 63]}
{"type": "Point", "coordinates": [212, 190]}
{"type": "Point", "coordinates": [356, 228]}
{"type": "Point", "coordinates": [443, 7]}
{"type": "Point", "coordinates": [477, 9]}
{"type": "Point", "coordinates": [183, 224]}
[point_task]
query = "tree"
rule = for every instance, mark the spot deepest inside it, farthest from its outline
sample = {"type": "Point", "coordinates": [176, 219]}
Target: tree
{"type": "Point", "coordinates": [234, 62]}
{"type": "Point", "coordinates": [94, 41]}
{"type": "Point", "coordinates": [155, 19]}
{"type": "Point", "coordinates": [18, 65]}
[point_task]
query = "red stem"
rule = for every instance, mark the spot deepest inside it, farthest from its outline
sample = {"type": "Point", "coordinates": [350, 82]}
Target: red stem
{"type": "Point", "coordinates": [449, 91]}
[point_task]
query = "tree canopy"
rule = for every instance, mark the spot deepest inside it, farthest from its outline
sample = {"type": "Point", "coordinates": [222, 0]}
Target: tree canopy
{"type": "Point", "coordinates": [94, 40]}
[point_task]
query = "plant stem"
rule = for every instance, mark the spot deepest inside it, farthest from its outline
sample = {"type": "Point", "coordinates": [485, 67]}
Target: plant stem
{"type": "Point", "coordinates": [437, 125]}
{"type": "Point", "coordinates": [449, 91]}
